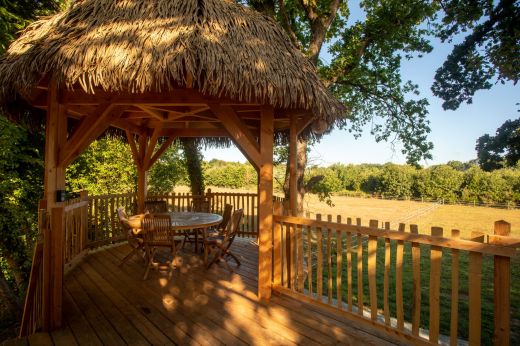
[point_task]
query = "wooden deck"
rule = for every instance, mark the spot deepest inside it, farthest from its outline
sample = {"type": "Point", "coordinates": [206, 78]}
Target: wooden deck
{"type": "Point", "coordinates": [108, 304]}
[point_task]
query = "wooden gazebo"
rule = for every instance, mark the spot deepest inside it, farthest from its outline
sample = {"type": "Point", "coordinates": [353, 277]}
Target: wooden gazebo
{"type": "Point", "coordinates": [160, 70]}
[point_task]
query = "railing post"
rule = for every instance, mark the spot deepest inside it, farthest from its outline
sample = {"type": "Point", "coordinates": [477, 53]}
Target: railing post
{"type": "Point", "coordinates": [277, 243]}
{"type": "Point", "coordinates": [502, 287]}
{"type": "Point", "coordinates": [53, 271]}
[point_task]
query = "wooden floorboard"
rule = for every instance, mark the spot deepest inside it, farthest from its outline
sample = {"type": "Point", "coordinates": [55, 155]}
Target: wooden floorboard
{"type": "Point", "coordinates": [105, 303]}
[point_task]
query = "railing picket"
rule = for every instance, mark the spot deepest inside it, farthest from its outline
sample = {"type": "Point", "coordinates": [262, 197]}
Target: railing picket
{"type": "Point", "coordinates": [502, 290]}
{"type": "Point", "coordinates": [339, 263]}
{"type": "Point", "coordinates": [349, 266]}
{"type": "Point", "coordinates": [475, 290]}
{"type": "Point", "coordinates": [435, 279]}
{"type": "Point", "coordinates": [309, 259]}
{"type": "Point", "coordinates": [386, 279]}
{"type": "Point", "coordinates": [416, 275]}
{"type": "Point", "coordinates": [319, 268]}
{"type": "Point", "coordinates": [329, 261]}
{"type": "Point", "coordinates": [372, 260]}
{"type": "Point", "coordinates": [399, 280]}
{"type": "Point", "coordinates": [455, 234]}
{"type": "Point", "coordinates": [301, 274]}
{"type": "Point", "coordinates": [359, 261]}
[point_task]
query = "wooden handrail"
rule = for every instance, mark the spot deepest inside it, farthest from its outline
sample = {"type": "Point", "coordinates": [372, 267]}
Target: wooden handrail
{"type": "Point", "coordinates": [307, 264]}
{"type": "Point", "coordinates": [450, 243]}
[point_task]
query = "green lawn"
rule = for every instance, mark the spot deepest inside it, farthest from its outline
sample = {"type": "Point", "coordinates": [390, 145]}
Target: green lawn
{"type": "Point", "coordinates": [445, 291]}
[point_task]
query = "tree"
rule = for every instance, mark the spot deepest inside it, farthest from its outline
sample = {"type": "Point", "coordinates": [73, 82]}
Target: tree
{"type": "Point", "coordinates": [364, 69]}
{"type": "Point", "coordinates": [106, 166]}
{"type": "Point", "coordinates": [168, 171]}
{"type": "Point", "coordinates": [501, 150]}
{"type": "Point", "coordinates": [16, 15]}
{"type": "Point", "coordinates": [193, 159]}
{"type": "Point", "coordinates": [488, 53]}
{"type": "Point", "coordinates": [21, 187]}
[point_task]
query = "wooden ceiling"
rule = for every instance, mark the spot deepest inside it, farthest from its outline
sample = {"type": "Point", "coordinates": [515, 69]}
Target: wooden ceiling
{"type": "Point", "coordinates": [179, 112]}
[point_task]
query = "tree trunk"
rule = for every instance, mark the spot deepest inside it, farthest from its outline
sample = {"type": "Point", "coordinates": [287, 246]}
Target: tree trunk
{"type": "Point", "coordinates": [301, 163]}
{"type": "Point", "coordinates": [193, 159]}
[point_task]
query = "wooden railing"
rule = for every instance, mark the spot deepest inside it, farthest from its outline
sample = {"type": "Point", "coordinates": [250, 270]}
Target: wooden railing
{"type": "Point", "coordinates": [32, 318]}
{"type": "Point", "coordinates": [104, 227]}
{"type": "Point", "coordinates": [65, 228]}
{"type": "Point", "coordinates": [416, 287]}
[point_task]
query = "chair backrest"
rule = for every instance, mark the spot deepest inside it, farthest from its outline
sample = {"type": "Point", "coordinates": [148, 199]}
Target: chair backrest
{"type": "Point", "coordinates": [201, 205]}
{"type": "Point", "coordinates": [155, 207]}
{"type": "Point", "coordinates": [156, 228]}
{"type": "Point", "coordinates": [123, 218]}
{"type": "Point", "coordinates": [233, 226]}
{"type": "Point", "coordinates": [226, 216]}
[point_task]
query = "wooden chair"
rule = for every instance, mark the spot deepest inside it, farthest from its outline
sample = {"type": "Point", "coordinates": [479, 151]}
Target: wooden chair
{"type": "Point", "coordinates": [226, 216]}
{"type": "Point", "coordinates": [199, 205]}
{"type": "Point", "coordinates": [134, 240]}
{"type": "Point", "coordinates": [220, 244]}
{"type": "Point", "coordinates": [155, 207]}
{"type": "Point", "coordinates": [157, 233]}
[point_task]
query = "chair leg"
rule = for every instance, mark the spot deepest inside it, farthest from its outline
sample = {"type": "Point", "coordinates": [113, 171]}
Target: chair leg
{"type": "Point", "coordinates": [218, 256]}
{"type": "Point", "coordinates": [130, 255]}
{"type": "Point", "coordinates": [151, 255]}
{"type": "Point", "coordinates": [229, 253]}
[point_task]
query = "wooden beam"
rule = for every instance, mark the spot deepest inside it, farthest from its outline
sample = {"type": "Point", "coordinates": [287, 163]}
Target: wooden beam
{"type": "Point", "coordinates": [133, 148]}
{"type": "Point", "coordinates": [141, 174]}
{"type": "Point", "coordinates": [302, 123]}
{"type": "Point", "coordinates": [194, 133]}
{"type": "Point", "coordinates": [239, 132]}
{"type": "Point", "coordinates": [174, 97]}
{"type": "Point", "coordinates": [265, 204]}
{"type": "Point", "coordinates": [162, 116]}
{"type": "Point", "coordinates": [161, 150]}
{"type": "Point", "coordinates": [125, 124]}
{"type": "Point", "coordinates": [55, 137]}
{"type": "Point", "coordinates": [150, 147]}
{"type": "Point", "coordinates": [90, 129]}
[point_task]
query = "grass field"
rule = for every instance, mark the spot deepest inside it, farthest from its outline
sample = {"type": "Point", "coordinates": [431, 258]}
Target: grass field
{"type": "Point", "coordinates": [425, 215]}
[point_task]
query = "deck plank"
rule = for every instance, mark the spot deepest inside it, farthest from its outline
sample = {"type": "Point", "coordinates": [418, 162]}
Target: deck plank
{"type": "Point", "coordinates": [111, 303]}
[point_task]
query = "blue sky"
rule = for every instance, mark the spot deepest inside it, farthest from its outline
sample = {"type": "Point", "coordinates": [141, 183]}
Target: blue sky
{"type": "Point", "coordinates": [453, 133]}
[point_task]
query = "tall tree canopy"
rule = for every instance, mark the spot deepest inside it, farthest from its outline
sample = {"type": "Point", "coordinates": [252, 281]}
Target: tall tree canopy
{"type": "Point", "coordinates": [366, 54]}
{"type": "Point", "coordinates": [16, 15]}
{"type": "Point", "coordinates": [489, 51]}
{"type": "Point", "coordinates": [502, 149]}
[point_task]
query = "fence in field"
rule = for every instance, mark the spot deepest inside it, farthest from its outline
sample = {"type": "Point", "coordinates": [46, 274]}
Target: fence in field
{"type": "Point", "coordinates": [420, 288]}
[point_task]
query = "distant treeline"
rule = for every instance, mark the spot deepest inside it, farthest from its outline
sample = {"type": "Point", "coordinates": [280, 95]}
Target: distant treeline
{"type": "Point", "coordinates": [452, 182]}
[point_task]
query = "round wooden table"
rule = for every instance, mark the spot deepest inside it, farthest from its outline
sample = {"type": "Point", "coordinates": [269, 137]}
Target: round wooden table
{"type": "Point", "coordinates": [183, 221]}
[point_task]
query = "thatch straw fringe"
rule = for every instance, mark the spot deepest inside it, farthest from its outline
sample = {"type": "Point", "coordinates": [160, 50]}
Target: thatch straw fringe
{"type": "Point", "coordinates": [153, 45]}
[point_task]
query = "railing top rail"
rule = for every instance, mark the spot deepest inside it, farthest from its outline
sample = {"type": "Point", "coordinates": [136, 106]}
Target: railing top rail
{"type": "Point", "coordinates": [450, 243]}
{"type": "Point", "coordinates": [76, 205]}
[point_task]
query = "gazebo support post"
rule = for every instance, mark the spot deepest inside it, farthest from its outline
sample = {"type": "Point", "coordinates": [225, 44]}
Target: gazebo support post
{"type": "Point", "coordinates": [144, 157]}
{"type": "Point", "coordinates": [142, 173]}
{"type": "Point", "coordinates": [54, 180]}
{"type": "Point", "coordinates": [293, 152]}
{"type": "Point", "coordinates": [265, 205]}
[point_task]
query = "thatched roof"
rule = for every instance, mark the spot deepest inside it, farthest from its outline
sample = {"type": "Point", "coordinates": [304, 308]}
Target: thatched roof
{"type": "Point", "coordinates": [220, 47]}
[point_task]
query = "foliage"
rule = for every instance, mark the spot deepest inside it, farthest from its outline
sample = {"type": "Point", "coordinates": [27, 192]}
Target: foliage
{"type": "Point", "coordinates": [193, 159]}
{"type": "Point", "coordinates": [168, 171]}
{"type": "Point", "coordinates": [16, 15]}
{"type": "Point", "coordinates": [489, 50]}
{"type": "Point", "coordinates": [501, 150]}
{"type": "Point", "coordinates": [105, 167]}
{"type": "Point", "coordinates": [21, 187]}
{"type": "Point", "coordinates": [441, 182]}
{"type": "Point", "coordinates": [229, 174]}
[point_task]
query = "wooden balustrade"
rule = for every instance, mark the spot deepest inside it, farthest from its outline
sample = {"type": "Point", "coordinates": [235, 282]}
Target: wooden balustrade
{"type": "Point", "coordinates": [377, 276]}
{"type": "Point", "coordinates": [104, 227]}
